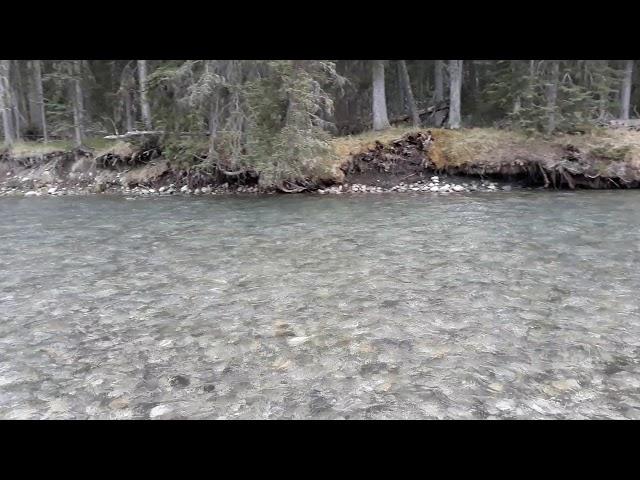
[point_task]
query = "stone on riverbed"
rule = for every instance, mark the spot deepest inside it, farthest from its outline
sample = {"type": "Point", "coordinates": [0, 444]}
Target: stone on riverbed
{"type": "Point", "coordinates": [159, 410]}
{"type": "Point", "coordinates": [31, 193]}
{"type": "Point", "coordinates": [179, 381]}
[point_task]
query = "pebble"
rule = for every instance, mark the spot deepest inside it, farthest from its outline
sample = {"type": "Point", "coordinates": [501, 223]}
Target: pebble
{"type": "Point", "coordinates": [505, 405]}
{"type": "Point", "coordinates": [297, 340]}
{"type": "Point", "coordinates": [563, 385]}
{"type": "Point", "coordinates": [179, 381]}
{"type": "Point", "coordinates": [434, 185]}
{"type": "Point", "coordinates": [159, 410]}
{"type": "Point", "coordinates": [119, 403]}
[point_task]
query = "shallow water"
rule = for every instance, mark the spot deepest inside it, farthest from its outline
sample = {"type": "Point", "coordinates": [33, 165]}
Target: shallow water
{"type": "Point", "coordinates": [505, 305]}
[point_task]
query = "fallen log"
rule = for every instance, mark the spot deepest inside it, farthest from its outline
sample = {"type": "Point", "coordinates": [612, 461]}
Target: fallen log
{"type": "Point", "coordinates": [619, 123]}
{"type": "Point", "coordinates": [421, 113]}
{"type": "Point", "coordinates": [143, 133]}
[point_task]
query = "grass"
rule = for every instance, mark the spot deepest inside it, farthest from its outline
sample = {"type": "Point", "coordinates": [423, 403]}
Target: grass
{"type": "Point", "coordinates": [494, 147]}
{"type": "Point", "coordinates": [354, 144]}
{"type": "Point", "coordinates": [27, 149]}
{"type": "Point", "coordinates": [480, 148]}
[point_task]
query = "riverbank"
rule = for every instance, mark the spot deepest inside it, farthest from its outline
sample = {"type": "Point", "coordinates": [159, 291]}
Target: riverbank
{"type": "Point", "coordinates": [397, 160]}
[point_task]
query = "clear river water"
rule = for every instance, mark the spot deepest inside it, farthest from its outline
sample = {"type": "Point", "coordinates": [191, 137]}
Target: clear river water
{"type": "Point", "coordinates": [389, 306]}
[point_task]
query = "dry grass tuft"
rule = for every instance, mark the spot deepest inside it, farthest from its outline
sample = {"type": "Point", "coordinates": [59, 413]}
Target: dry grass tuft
{"type": "Point", "coordinates": [146, 174]}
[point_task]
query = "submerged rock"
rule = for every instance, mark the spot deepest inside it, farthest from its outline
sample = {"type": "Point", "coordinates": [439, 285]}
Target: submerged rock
{"type": "Point", "coordinates": [159, 410]}
{"type": "Point", "coordinates": [179, 381]}
{"type": "Point", "coordinates": [295, 341]}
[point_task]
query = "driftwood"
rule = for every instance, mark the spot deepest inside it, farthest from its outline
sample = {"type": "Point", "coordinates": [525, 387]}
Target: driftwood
{"type": "Point", "coordinates": [631, 123]}
{"type": "Point", "coordinates": [143, 133]}
{"type": "Point", "coordinates": [284, 189]}
{"type": "Point", "coordinates": [421, 113]}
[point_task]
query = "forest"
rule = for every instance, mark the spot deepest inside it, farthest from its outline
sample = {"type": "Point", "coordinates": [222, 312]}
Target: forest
{"type": "Point", "coordinates": [285, 124]}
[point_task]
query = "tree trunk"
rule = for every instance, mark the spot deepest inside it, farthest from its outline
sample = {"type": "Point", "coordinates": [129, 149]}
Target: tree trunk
{"type": "Point", "coordinates": [455, 89]}
{"type": "Point", "coordinates": [127, 82]}
{"type": "Point", "coordinates": [5, 103]}
{"type": "Point", "coordinates": [214, 105]}
{"type": "Point", "coordinates": [438, 96]}
{"type": "Point", "coordinates": [380, 119]}
{"type": "Point", "coordinates": [406, 81]}
{"type": "Point", "coordinates": [144, 101]}
{"type": "Point", "coordinates": [552, 97]}
{"type": "Point", "coordinates": [473, 85]}
{"type": "Point", "coordinates": [625, 100]}
{"type": "Point", "coordinates": [32, 101]}
{"type": "Point", "coordinates": [19, 103]}
{"type": "Point", "coordinates": [78, 120]}
{"type": "Point", "coordinates": [128, 113]}
{"type": "Point", "coordinates": [38, 116]}
{"type": "Point", "coordinates": [213, 128]}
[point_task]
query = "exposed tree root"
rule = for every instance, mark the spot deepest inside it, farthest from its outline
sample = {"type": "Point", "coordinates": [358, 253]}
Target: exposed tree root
{"type": "Point", "coordinates": [419, 155]}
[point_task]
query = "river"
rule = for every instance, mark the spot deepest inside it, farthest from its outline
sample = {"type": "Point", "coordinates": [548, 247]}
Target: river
{"type": "Point", "coordinates": [504, 305]}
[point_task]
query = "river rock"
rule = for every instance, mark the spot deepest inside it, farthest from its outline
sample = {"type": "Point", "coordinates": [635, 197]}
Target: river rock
{"type": "Point", "coordinates": [458, 188]}
{"type": "Point", "coordinates": [185, 189]}
{"type": "Point", "coordinates": [179, 381]}
{"type": "Point", "coordinates": [433, 189]}
{"type": "Point", "coordinates": [119, 403]}
{"type": "Point", "coordinates": [159, 410]}
{"type": "Point", "coordinates": [52, 190]}
{"type": "Point", "coordinates": [435, 179]}
{"type": "Point", "coordinates": [506, 188]}
{"type": "Point", "coordinates": [31, 193]}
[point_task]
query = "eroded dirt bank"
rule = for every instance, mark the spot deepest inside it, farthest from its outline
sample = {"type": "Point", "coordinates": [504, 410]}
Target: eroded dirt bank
{"type": "Point", "coordinates": [433, 161]}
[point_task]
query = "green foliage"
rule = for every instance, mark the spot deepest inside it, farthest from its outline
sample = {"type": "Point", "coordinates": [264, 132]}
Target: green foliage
{"type": "Point", "coordinates": [288, 140]}
{"type": "Point", "coordinates": [587, 92]}
{"type": "Point", "coordinates": [274, 116]}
